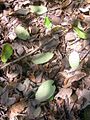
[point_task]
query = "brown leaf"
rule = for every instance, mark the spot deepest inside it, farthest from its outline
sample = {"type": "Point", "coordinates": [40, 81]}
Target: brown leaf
{"type": "Point", "coordinates": [78, 76]}
{"type": "Point", "coordinates": [64, 92]}
{"type": "Point", "coordinates": [55, 20]}
{"type": "Point", "coordinates": [16, 109]}
{"type": "Point", "coordinates": [83, 97]}
{"type": "Point", "coordinates": [65, 3]}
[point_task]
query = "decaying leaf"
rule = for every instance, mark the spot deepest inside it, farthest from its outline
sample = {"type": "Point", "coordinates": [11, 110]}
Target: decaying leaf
{"type": "Point", "coordinates": [51, 44]}
{"type": "Point", "coordinates": [16, 109]}
{"type": "Point", "coordinates": [63, 93]}
{"type": "Point", "coordinates": [74, 60]}
{"type": "Point", "coordinates": [7, 51]}
{"type": "Point", "coordinates": [65, 3]}
{"type": "Point", "coordinates": [22, 33]}
{"type": "Point", "coordinates": [83, 95]}
{"type": "Point", "coordinates": [45, 91]}
{"type": "Point", "coordinates": [22, 11]}
{"type": "Point", "coordinates": [38, 9]}
{"type": "Point", "coordinates": [78, 76]}
{"type": "Point", "coordinates": [37, 112]}
{"type": "Point", "coordinates": [42, 58]}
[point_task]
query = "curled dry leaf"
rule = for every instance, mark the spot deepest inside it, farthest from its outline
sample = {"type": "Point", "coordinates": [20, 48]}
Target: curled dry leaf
{"type": "Point", "coordinates": [64, 92]}
{"type": "Point", "coordinates": [78, 76]}
{"type": "Point", "coordinates": [16, 109]}
{"type": "Point", "coordinates": [65, 3]}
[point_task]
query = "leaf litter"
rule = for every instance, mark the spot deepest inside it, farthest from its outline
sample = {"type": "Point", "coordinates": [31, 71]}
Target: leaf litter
{"type": "Point", "coordinates": [20, 78]}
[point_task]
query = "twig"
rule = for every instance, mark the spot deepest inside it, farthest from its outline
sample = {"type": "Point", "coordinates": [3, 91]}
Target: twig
{"type": "Point", "coordinates": [20, 58]}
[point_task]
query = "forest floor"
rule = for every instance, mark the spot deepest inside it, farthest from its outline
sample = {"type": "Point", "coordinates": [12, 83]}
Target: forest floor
{"type": "Point", "coordinates": [20, 78]}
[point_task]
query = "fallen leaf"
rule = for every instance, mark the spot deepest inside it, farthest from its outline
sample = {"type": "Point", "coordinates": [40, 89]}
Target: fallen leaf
{"type": "Point", "coordinates": [80, 33]}
{"type": "Point", "coordinates": [47, 23]}
{"type": "Point", "coordinates": [83, 97]}
{"type": "Point", "coordinates": [51, 44]}
{"type": "Point", "coordinates": [37, 112]}
{"type": "Point", "coordinates": [78, 76]}
{"type": "Point", "coordinates": [74, 60]}
{"type": "Point", "coordinates": [45, 91]}
{"type": "Point", "coordinates": [7, 51]}
{"type": "Point", "coordinates": [83, 94]}
{"type": "Point", "coordinates": [63, 93]}
{"type": "Point", "coordinates": [70, 36]}
{"type": "Point", "coordinates": [38, 9]}
{"type": "Point", "coordinates": [65, 3]}
{"type": "Point", "coordinates": [22, 11]}
{"type": "Point", "coordinates": [16, 109]}
{"type": "Point", "coordinates": [55, 19]}
{"type": "Point", "coordinates": [84, 10]}
{"type": "Point", "coordinates": [22, 33]}
{"type": "Point", "coordinates": [42, 58]}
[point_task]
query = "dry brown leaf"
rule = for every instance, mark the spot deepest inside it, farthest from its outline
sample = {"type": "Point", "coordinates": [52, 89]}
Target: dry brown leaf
{"type": "Point", "coordinates": [87, 81]}
{"type": "Point", "coordinates": [83, 94]}
{"type": "Point", "coordinates": [83, 97]}
{"type": "Point", "coordinates": [78, 76]}
{"type": "Point", "coordinates": [16, 109]}
{"type": "Point", "coordinates": [65, 3]}
{"type": "Point", "coordinates": [64, 92]}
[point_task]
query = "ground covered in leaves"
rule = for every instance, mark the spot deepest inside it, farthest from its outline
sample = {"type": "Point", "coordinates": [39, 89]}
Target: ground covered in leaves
{"type": "Point", "coordinates": [67, 29]}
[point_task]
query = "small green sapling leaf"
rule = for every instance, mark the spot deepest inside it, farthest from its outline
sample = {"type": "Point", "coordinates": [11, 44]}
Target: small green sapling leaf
{"type": "Point", "coordinates": [7, 51]}
{"type": "Point", "coordinates": [47, 23]}
{"type": "Point", "coordinates": [80, 33]}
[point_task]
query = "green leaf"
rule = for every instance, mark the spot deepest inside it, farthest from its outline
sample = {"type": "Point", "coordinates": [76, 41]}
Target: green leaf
{"type": "Point", "coordinates": [74, 60]}
{"type": "Point", "coordinates": [22, 33]}
{"type": "Point", "coordinates": [7, 51]}
{"type": "Point", "coordinates": [80, 33]}
{"type": "Point", "coordinates": [47, 23]}
{"type": "Point", "coordinates": [38, 9]}
{"type": "Point", "coordinates": [45, 91]}
{"type": "Point", "coordinates": [42, 58]}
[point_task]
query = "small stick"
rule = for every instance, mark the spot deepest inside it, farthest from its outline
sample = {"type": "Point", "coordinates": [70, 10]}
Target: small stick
{"type": "Point", "coordinates": [18, 59]}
